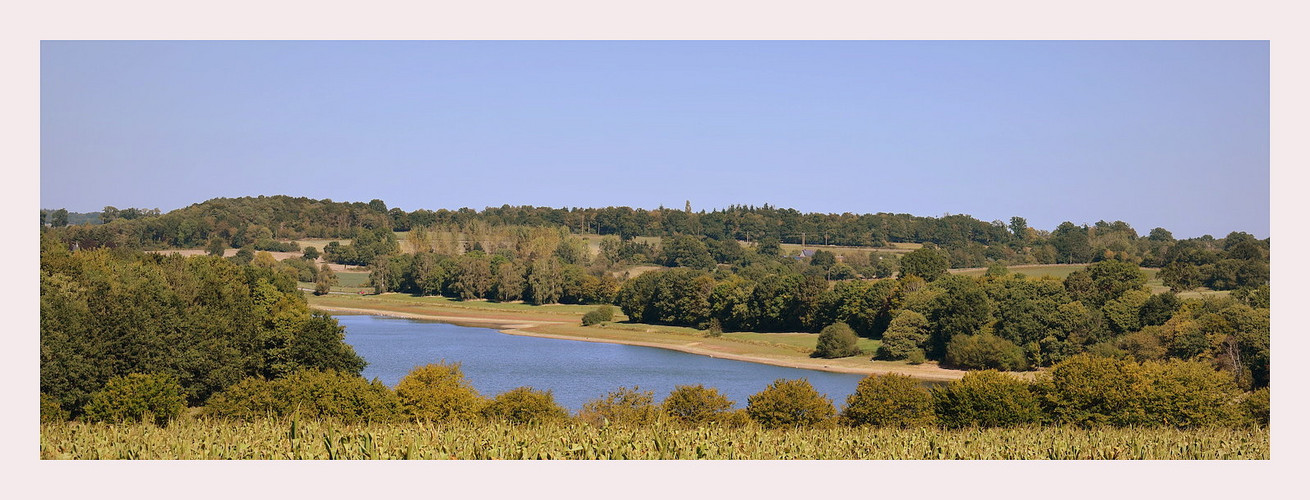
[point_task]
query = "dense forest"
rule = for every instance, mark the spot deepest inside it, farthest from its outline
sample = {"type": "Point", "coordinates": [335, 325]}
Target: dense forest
{"type": "Point", "coordinates": [207, 323]}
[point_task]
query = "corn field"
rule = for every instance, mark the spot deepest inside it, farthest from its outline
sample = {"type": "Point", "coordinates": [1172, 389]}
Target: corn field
{"type": "Point", "coordinates": [202, 439]}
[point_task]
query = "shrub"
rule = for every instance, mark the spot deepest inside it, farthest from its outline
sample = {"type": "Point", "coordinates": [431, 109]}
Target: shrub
{"type": "Point", "coordinates": [137, 397]}
{"type": "Point", "coordinates": [623, 406]}
{"type": "Point", "coordinates": [790, 403]}
{"type": "Point", "coordinates": [986, 399]}
{"type": "Point", "coordinates": [890, 400]}
{"type": "Point", "coordinates": [598, 315]}
{"type": "Point", "coordinates": [247, 400]}
{"type": "Point", "coordinates": [51, 411]}
{"type": "Point", "coordinates": [696, 404]}
{"type": "Point", "coordinates": [524, 405]}
{"type": "Point", "coordinates": [733, 419]}
{"type": "Point", "coordinates": [333, 394]}
{"type": "Point", "coordinates": [309, 393]}
{"type": "Point", "coordinates": [983, 351]}
{"type": "Point", "coordinates": [1087, 391]}
{"type": "Point", "coordinates": [836, 341]}
{"type": "Point", "coordinates": [1191, 394]}
{"type": "Point", "coordinates": [1256, 405]}
{"type": "Point", "coordinates": [905, 334]}
{"type": "Point", "coordinates": [916, 357]}
{"type": "Point", "coordinates": [714, 329]}
{"type": "Point", "coordinates": [310, 253]}
{"type": "Point", "coordinates": [438, 392]}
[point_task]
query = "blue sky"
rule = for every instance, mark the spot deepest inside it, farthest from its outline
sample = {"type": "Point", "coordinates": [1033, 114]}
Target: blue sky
{"type": "Point", "coordinates": [1168, 134]}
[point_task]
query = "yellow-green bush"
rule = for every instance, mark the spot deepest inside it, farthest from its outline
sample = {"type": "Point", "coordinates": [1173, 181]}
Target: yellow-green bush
{"type": "Point", "coordinates": [136, 397]}
{"type": "Point", "coordinates": [438, 392]}
{"type": "Point", "coordinates": [525, 405]}
{"type": "Point", "coordinates": [1191, 394]}
{"type": "Point", "coordinates": [50, 409]}
{"type": "Point", "coordinates": [1257, 406]}
{"type": "Point", "coordinates": [790, 403]}
{"type": "Point", "coordinates": [311, 394]}
{"type": "Point", "coordinates": [986, 399]}
{"type": "Point", "coordinates": [623, 406]}
{"type": "Point", "coordinates": [695, 404]}
{"type": "Point", "coordinates": [890, 400]}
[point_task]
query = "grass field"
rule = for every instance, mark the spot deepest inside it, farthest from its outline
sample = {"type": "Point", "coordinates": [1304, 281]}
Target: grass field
{"type": "Point", "coordinates": [287, 439]}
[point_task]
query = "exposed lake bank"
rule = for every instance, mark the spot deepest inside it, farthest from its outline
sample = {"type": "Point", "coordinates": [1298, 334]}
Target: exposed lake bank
{"type": "Point", "coordinates": [566, 326]}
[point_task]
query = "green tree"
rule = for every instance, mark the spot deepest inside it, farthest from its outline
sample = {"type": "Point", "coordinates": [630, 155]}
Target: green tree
{"type": "Point", "coordinates": [1104, 281]}
{"type": "Point", "coordinates": [310, 253]}
{"type": "Point", "coordinates": [907, 334]}
{"type": "Point", "coordinates": [1158, 309]}
{"type": "Point", "coordinates": [545, 281]}
{"type": "Point", "coordinates": [890, 400]}
{"type": "Point", "coordinates": [1071, 243]}
{"type": "Point", "coordinates": [438, 392]}
{"type": "Point", "coordinates": [790, 403]}
{"type": "Point", "coordinates": [687, 251]}
{"type": "Point", "coordinates": [836, 341]}
{"type": "Point", "coordinates": [136, 397]}
{"type": "Point", "coordinates": [216, 247]}
{"type": "Point", "coordinates": [927, 263]}
{"type": "Point", "coordinates": [962, 308]}
{"type": "Point", "coordinates": [509, 283]}
{"type": "Point", "coordinates": [696, 404]}
{"type": "Point", "coordinates": [823, 259]}
{"type": "Point", "coordinates": [59, 218]}
{"type": "Point", "coordinates": [984, 351]}
{"type": "Point", "coordinates": [1019, 228]}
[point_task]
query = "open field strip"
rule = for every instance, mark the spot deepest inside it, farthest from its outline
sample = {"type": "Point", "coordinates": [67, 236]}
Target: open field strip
{"type": "Point", "coordinates": [265, 439]}
{"type": "Point", "coordinates": [564, 322]}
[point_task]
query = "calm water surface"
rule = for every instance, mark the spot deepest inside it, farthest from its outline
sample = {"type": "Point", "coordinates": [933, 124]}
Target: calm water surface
{"type": "Point", "coordinates": [576, 371]}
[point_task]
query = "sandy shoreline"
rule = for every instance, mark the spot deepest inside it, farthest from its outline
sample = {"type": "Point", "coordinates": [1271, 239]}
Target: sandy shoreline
{"type": "Point", "coordinates": [519, 327]}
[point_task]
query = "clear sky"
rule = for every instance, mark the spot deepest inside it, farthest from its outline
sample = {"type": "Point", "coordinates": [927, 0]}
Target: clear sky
{"type": "Point", "coordinates": [1157, 134]}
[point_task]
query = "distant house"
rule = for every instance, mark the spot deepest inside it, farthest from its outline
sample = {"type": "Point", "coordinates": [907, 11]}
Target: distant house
{"type": "Point", "coordinates": [805, 254]}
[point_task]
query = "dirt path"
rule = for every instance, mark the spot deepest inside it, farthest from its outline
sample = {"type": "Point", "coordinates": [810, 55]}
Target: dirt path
{"type": "Point", "coordinates": [521, 327]}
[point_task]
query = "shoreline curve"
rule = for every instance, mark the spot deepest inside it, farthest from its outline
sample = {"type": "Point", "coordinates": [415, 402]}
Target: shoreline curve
{"type": "Point", "coordinates": [519, 326]}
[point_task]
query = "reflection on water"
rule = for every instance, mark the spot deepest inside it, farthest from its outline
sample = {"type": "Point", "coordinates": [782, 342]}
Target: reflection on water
{"type": "Point", "coordinates": [576, 371]}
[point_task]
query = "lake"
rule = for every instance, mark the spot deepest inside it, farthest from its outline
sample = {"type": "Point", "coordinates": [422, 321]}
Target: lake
{"type": "Point", "coordinates": [575, 371]}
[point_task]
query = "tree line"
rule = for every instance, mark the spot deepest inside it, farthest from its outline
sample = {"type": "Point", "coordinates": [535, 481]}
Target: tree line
{"type": "Point", "coordinates": [1001, 320]}
{"type": "Point", "coordinates": [968, 242]}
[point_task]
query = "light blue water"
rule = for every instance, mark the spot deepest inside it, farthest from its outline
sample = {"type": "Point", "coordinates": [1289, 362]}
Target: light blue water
{"type": "Point", "coordinates": [575, 371]}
